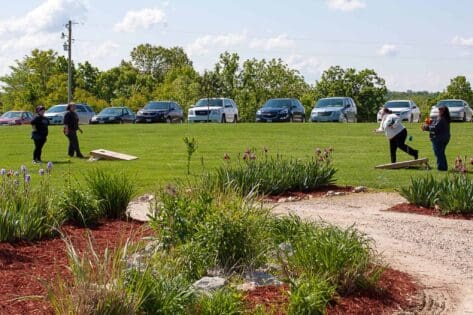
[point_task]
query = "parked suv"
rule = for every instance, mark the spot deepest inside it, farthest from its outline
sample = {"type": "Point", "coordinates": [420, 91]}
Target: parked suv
{"type": "Point", "coordinates": [160, 111]}
{"type": "Point", "coordinates": [337, 109]}
{"type": "Point", "coordinates": [214, 109]}
{"type": "Point", "coordinates": [56, 113]}
{"type": "Point", "coordinates": [281, 109]}
{"type": "Point", "coordinates": [459, 110]}
{"type": "Point", "coordinates": [407, 110]}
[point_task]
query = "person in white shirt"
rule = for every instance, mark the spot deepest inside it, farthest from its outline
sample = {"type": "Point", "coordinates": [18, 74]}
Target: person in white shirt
{"type": "Point", "coordinates": [396, 133]}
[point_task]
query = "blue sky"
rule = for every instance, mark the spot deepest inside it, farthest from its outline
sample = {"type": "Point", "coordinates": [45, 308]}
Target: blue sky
{"type": "Point", "coordinates": [413, 44]}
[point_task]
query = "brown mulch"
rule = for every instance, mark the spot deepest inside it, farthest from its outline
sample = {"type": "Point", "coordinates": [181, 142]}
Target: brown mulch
{"type": "Point", "coordinates": [411, 208]}
{"type": "Point", "coordinates": [24, 266]}
{"type": "Point", "coordinates": [396, 291]}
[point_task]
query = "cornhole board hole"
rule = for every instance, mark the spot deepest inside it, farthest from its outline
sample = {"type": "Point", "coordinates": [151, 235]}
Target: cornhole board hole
{"type": "Point", "coordinates": [101, 154]}
{"type": "Point", "coordinates": [406, 164]}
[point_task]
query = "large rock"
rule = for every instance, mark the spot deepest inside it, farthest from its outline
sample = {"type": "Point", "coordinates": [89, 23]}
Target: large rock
{"type": "Point", "coordinates": [209, 284]}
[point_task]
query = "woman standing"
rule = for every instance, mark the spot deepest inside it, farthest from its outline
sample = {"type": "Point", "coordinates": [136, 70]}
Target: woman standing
{"type": "Point", "coordinates": [40, 133]}
{"type": "Point", "coordinates": [439, 131]}
{"type": "Point", "coordinates": [396, 133]}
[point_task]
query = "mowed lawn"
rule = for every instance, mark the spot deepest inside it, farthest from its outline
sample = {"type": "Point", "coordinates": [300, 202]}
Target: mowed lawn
{"type": "Point", "coordinates": [162, 152]}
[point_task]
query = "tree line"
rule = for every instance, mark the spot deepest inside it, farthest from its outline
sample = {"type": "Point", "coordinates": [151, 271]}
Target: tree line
{"type": "Point", "coordinates": [159, 73]}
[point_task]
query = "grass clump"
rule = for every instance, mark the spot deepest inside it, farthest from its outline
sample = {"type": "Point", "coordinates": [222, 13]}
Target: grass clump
{"type": "Point", "coordinates": [275, 175]}
{"type": "Point", "coordinates": [113, 191]}
{"type": "Point", "coordinates": [223, 301]}
{"type": "Point", "coordinates": [452, 194]}
{"type": "Point", "coordinates": [79, 206]}
{"type": "Point", "coordinates": [310, 295]}
{"type": "Point", "coordinates": [26, 210]}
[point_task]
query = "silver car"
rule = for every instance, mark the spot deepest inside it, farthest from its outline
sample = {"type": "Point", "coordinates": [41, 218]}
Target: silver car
{"type": "Point", "coordinates": [459, 110]}
{"type": "Point", "coordinates": [407, 110]}
{"type": "Point", "coordinates": [336, 109]}
{"type": "Point", "coordinates": [56, 113]}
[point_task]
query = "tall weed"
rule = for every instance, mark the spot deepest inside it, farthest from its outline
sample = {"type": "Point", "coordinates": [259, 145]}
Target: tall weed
{"type": "Point", "coordinates": [456, 195]}
{"type": "Point", "coordinates": [422, 191]}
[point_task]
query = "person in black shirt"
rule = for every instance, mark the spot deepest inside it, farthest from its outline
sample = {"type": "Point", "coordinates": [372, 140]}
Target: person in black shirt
{"type": "Point", "coordinates": [439, 131]}
{"type": "Point", "coordinates": [40, 132]}
{"type": "Point", "coordinates": [71, 126]}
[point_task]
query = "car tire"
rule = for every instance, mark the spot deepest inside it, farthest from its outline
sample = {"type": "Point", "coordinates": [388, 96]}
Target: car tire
{"type": "Point", "coordinates": [302, 119]}
{"type": "Point", "coordinates": [235, 119]}
{"type": "Point", "coordinates": [224, 119]}
{"type": "Point", "coordinates": [344, 119]}
{"type": "Point", "coordinates": [411, 119]}
{"type": "Point", "coordinates": [168, 120]}
{"type": "Point", "coordinates": [291, 119]}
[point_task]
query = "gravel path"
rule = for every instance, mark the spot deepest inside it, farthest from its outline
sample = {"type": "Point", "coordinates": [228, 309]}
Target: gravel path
{"type": "Point", "coordinates": [437, 252]}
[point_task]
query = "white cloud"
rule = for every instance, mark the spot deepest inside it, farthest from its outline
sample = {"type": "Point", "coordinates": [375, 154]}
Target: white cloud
{"type": "Point", "coordinates": [345, 5]}
{"type": "Point", "coordinates": [202, 45]}
{"type": "Point", "coordinates": [308, 66]}
{"type": "Point", "coordinates": [388, 50]}
{"type": "Point", "coordinates": [107, 49]}
{"type": "Point", "coordinates": [29, 42]}
{"type": "Point", "coordinates": [461, 41]}
{"type": "Point", "coordinates": [280, 41]}
{"type": "Point", "coordinates": [50, 16]}
{"type": "Point", "coordinates": [145, 19]}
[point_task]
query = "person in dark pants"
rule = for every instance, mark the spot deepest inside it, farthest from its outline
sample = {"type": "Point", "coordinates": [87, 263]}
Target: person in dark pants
{"type": "Point", "coordinates": [71, 126]}
{"type": "Point", "coordinates": [40, 133]}
{"type": "Point", "coordinates": [439, 131]}
{"type": "Point", "coordinates": [396, 133]}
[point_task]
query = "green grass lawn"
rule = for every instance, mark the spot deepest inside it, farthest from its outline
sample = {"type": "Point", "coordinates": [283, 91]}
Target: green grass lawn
{"type": "Point", "coordinates": [162, 152]}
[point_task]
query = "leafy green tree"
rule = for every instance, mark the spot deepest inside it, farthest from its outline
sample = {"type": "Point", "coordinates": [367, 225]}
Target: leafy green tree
{"type": "Point", "coordinates": [365, 87]}
{"type": "Point", "coordinates": [86, 77]}
{"type": "Point", "coordinates": [459, 88]}
{"type": "Point", "coordinates": [83, 96]}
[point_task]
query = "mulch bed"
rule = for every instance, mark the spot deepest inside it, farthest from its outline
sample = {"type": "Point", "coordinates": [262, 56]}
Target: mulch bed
{"type": "Point", "coordinates": [397, 291]}
{"type": "Point", "coordinates": [24, 265]}
{"type": "Point", "coordinates": [411, 208]}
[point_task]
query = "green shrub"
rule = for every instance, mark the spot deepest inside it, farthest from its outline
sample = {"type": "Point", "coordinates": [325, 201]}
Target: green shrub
{"type": "Point", "coordinates": [79, 206]}
{"type": "Point", "coordinates": [456, 195]}
{"type": "Point", "coordinates": [223, 301]}
{"type": "Point", "coordinates": [310, 295]}
{"type": "Point", "coordinates": [26, 211]}
{"type": "Point", "coordinates": [422, 191]}
{"type": "Point", "coordinates": [275, 175]}
{"type": "Point", "coordinates": [113, 191]}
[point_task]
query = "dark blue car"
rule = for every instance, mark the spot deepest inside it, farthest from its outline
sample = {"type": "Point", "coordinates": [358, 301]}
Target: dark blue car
{"type": "Point", "coordinates": [281, 109]}
{"type": "Point", "coordinates": [160, 111]}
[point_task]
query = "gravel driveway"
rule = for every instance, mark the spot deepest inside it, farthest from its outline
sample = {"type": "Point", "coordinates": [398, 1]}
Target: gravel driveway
{"type": "Point", "coordinates": [437, 252]}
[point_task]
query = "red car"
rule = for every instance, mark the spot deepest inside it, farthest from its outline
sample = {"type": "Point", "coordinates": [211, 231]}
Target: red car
{"type": "Point", "coordinates": [16, 117]}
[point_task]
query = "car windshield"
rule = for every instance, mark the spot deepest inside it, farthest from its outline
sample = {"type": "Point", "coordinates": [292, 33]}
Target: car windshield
{"type": "Point", "coordinates": [57, 109]}
{"type": "Point", "coordinates": [207, 102]}
{"type": "Point", "coordinates": [396, 104]}
{"type": "Point", "coordinates": [450, 103]}
{"type": "Point", "coordinates": [329, 102]}
{"type": "Point", "coordinates": [277, 104]}
{"type": "Point", "coordinates": [158, 105]}
{"type": "Point", "coordinates": [111, 111]}
{"type": "Point", "coordinates": [11, 115]}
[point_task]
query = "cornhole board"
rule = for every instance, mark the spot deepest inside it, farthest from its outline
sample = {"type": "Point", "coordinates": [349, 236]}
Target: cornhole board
{"type": "Point", "coordinates": [406, 164]}
{"type": "Point", "coordinates": [102, 154]}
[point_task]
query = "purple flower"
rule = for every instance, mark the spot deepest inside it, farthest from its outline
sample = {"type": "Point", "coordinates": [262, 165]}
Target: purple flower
{"type": "Point", "coordinates": [23, 169]}
{"type": "Point", "coordinates": [3, 171]}
{"type": "Point", "coordinates": [41, 172]}
{"type": "Point", "coordinates": [49, 166]}
{"type": "Point", "coordinates": [27, 178]}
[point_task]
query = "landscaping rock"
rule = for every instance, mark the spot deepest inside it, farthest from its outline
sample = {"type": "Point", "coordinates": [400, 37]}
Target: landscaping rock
{"type": "Point", "coordinates": [331, 193]}
{"type": "Point", "coordinates": [286, 248]}
{"type": "Point", "coordinates": [209, 284]}
{"type": "Point", "coordinates": [359, 189]}
{"type": "Point", "coordinates": [261, 278]}
{"type": "Point", "coordinates": [247, 286]}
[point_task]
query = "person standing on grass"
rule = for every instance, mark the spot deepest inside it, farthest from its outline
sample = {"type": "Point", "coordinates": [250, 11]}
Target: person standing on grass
{"type": "Point", "coordinates": [40, 132]}
{"type": "Point", "coordinates": [396, 133]}
{"type": "Point", "coordinates": [71, 126]}
{"type": "Point", "coordinates": [439, 133]}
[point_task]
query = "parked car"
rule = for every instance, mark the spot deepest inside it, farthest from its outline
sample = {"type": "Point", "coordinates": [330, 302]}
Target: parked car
{"type": "Point", "coordinates": [15, 117]}
{"type": "Point", "coordinates": [114, 115]}
{"type": "Point", "coordinates": [335, 109]}
{"type": "Point", "coordinates": [281, 109]}
{"type": "Point", "coordinates": [407, 110]}
{"type": "Point", "coordinates": [214, 109]}
{"type": "Point", "coordinates": [160, 111]}
{"type": "Point", "coordinates": [56, 113]}
{"type": "Point", "coordinates": [459, 110]}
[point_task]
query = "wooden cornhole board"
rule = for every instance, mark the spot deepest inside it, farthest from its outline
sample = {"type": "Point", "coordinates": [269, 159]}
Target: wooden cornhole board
{"type": "Point", "coordinates": [101, 154]}
{"type": "Point", "coordinates": [406, 164]}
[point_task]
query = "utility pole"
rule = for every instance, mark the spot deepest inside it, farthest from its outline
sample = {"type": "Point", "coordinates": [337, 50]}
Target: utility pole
{"type": "Point", "coordinates": [68, 47]}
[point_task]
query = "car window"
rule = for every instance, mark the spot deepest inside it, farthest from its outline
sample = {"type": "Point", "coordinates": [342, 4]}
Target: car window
{"type": "Point", "coordinates": [80, 109]}
{"type": "Point", "coordinates": [57, 109]}
{"type": "Point", "coordinates": [204, 102]}
{"type": "Point", "coordinates": [277, 103]}
{"type": "Point", "coordinates": [329, 102]}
